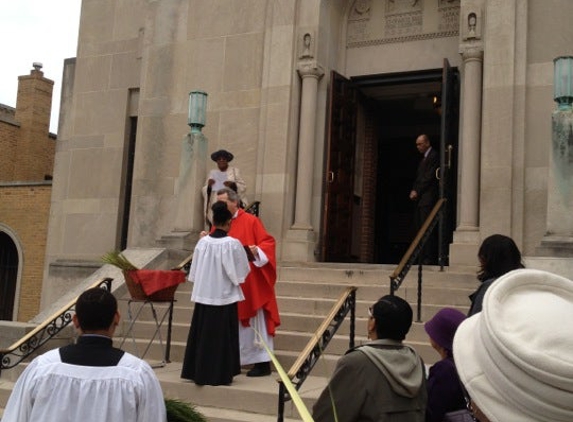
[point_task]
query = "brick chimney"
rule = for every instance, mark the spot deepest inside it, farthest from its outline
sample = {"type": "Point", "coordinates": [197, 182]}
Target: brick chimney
{"type": "Point", "coordinates": [34, 149]}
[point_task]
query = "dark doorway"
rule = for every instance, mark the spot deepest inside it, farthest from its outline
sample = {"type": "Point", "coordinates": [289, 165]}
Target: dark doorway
{"type": "Point", "coordinates": [127, 182]}
{"type": "Point", "coordinates": [395, 109]}
{"type": "Point", "coordinates": [8, 276]}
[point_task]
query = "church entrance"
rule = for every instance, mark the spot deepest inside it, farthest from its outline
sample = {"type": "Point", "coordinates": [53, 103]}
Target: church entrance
{"type": "Point", "coordinates": [371, 161]}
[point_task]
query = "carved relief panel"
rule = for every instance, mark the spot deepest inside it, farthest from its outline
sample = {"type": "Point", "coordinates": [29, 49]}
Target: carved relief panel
{"type": "Point", "coordinates": [391, 21]}
{"type": "Point", "coordinates": [358, 20]}
{"type": "Point", "coordinates": [449, 15]}
{"type": "Point", "coordinates": [403, 18]}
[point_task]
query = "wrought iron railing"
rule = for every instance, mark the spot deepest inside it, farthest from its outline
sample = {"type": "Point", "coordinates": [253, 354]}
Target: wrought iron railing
{"type": "Point", "coordinates": [414, 254]}
{"type": "Point", "coordinates": [301, 368]}
{"type": "Point", "coordinates": [253, 208]}
{"type": "Point", "coordinates": [44, 332]}
{"type": "Point", "coordinates": [184, 265]}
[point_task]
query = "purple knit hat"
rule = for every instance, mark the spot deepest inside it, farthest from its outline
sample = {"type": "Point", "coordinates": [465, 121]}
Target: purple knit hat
{"type": "Point", "coordinates": [442, 327]}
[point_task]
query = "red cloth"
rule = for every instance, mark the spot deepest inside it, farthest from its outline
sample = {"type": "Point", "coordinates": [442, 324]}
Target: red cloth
{"type": "Point", "coordinates": [152, 281]}
{"type": "Point", "coordinates": [259, 286]}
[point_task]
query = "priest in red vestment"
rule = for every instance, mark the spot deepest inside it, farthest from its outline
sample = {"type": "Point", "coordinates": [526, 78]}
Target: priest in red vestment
{"type": "Point", "coordinates": [259, 310]}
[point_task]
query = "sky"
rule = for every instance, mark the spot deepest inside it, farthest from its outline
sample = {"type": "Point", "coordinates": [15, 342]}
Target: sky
{"type": "Point", "coordinates": [44, 31]}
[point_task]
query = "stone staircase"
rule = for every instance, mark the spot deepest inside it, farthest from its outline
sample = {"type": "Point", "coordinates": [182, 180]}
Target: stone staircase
{"type": "Point", "coordinates": [305, 293]}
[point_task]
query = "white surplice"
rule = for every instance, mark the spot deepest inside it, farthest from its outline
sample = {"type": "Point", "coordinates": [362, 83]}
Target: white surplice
{"type": "Point", "coordinates": [219, 266]}
{"type": "Point", "coordinates": [52, 391]}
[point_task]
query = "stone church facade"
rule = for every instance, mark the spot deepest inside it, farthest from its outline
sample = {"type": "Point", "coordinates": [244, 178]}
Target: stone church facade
{"type": "Point", "coordinates": [320, 101]}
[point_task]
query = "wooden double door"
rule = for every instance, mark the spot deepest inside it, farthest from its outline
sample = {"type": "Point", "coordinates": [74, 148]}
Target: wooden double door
{"type": "Point", "coordinates": [371, 161]}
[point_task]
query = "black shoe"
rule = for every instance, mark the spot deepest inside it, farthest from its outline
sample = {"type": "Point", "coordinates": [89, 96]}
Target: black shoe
{"type": "Point", "coordinates": [260, 369]}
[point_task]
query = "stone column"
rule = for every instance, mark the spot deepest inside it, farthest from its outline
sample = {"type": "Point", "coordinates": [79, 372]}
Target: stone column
{"type": "Point", "coordinates": [466, 236]}
{"type": "Point", "coordinates": [471, 136]}
{"type": "Point", "coordinates": [300, 239]}
{"type": "Point", "coordinates": [310, 73]}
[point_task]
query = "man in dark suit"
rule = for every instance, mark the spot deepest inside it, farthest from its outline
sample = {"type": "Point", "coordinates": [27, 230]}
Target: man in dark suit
{"type": "Point", "coordinates": [425, 191]}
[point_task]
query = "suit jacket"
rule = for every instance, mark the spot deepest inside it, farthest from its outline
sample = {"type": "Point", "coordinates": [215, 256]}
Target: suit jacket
{"type": "Point", "coordinates": [426, 184]}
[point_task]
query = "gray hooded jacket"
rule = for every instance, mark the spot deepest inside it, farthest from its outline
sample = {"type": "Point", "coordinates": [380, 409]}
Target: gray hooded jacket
{"type": "Point", "coordinates": [381, 381]}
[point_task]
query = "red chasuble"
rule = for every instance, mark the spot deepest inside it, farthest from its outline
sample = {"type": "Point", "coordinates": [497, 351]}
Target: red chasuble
{"type": "Point", "coordinates": [259, 286]}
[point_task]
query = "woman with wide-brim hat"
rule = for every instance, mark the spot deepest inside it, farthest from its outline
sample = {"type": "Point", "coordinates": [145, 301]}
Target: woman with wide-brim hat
{"type": "Point", "coordinates": [223, 176]}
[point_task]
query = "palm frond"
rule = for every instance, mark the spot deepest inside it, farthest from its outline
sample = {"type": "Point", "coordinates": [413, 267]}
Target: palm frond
{"type": "Point", "coordinates": [119, 260]}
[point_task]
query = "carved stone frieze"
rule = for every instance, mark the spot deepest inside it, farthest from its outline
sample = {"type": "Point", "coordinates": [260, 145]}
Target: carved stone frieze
{"type": "Point", "coordinates": [358, 20]}
{"type": "Point", "coordinates": [403, 17]}
{"type": "Point", "coordinates": [358, 31]}
{"type": "Point", "coordinates": [448, 3]}
{"type": "Point", "coordinates": [361, 10]}
{"type": "Point", "coordinates": [403, 24]}
{"type": "Point", "coordinates": [449, 19]}
{"type": "Point", "coordinates": [403, 6]}
{"type": "Point", "coordinates": [395, 21]}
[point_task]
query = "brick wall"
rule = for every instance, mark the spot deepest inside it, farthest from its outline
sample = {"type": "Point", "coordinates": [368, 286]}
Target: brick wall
{"type": "Point", "coordinates": [27, 146]}
{"type": "Point", "coordinates": [8, 138]}
{"type": "Point", "coordinates": [369, 190]}
{"type": "Point", "coordinates": [25, 209]}
{"type": "Point", "coordinates": [27, 152]}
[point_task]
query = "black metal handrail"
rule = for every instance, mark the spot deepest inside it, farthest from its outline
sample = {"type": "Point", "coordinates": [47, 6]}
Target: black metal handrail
{"type": "Point", "coordinates": [309, 356]}
{"type": "Point", "coordinates": [253, 208]}
{"type": "Point", "coordinates": [413, 254]}
{"type": "Point", "coordinates": [44, 332]}
{"type": "Point", "coordinates": [184, 265]}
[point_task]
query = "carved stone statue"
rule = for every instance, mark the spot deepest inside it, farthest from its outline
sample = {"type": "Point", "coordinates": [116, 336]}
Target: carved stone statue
{"type": "Point", "coordinates": [472, 21]}
{"type": "Point", "coordinates": [307, 46]}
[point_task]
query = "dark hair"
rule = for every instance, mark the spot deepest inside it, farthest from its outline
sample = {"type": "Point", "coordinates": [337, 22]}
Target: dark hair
{"type": "Point", "coordinates": [233, 186]}
{"type": "Point", "coordinates": [221, 213]}
{"type": "Point", "coordinates": [498, 254]}
{"type": "Point", "coordinates": [95, 309]}
{"type": "Point", "coordinates": [393, 317]}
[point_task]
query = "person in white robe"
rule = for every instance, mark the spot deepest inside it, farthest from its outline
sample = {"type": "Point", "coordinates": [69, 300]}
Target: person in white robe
{"type": "Point", "coordinates": [223, 176]}
{"type": "Point", "coordinates": [219, 266]}
{"type": "Point", "coordinates": [90, 381]}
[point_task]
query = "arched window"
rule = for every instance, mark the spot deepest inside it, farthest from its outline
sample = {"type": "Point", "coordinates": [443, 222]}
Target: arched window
{"type": "Point", "coordinates": [8, 275]}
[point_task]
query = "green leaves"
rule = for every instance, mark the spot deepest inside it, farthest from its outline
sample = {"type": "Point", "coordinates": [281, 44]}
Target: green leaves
{"type": "Point", "coordinates": [180, 411]}
{"type": "Point", "coordinates": [119, 260]}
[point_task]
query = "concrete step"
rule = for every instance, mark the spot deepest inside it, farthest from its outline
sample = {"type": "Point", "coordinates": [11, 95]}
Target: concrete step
{"type": "Point", "coordinates": [288, 346]}
{"type": "Point", "coordinates": [214, 414]}
{"type": "Point", "coordinates": [215, 411]}
{"type": "Point", "coordinates": [318, 298]}
{"type": "Point", "coordinates": [6, 387]}
{"type": "Point", "coordinates": [371, 274]}
{"type": "Point", "coordinates": [256, 396]}
{"type": "Point", "coordinates": [305, 294]}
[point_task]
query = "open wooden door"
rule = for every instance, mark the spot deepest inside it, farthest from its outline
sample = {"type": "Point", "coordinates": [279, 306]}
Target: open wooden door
{"type": "Point", "coordinates": [339, 170]}
{"type": "Point", "coordinates": [448, 132]}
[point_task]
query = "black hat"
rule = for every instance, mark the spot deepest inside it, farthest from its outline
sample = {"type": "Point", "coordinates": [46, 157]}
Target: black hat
{"type": "Point", "coordinates": [222, 153]}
